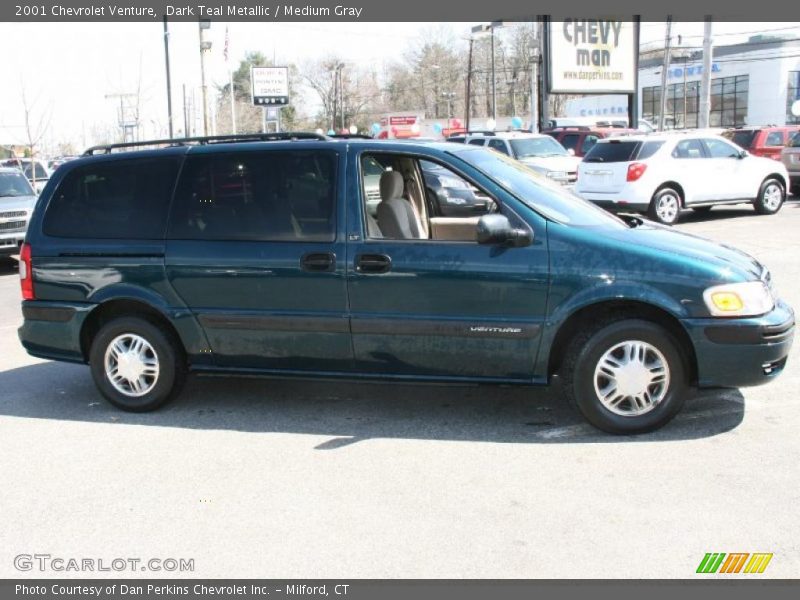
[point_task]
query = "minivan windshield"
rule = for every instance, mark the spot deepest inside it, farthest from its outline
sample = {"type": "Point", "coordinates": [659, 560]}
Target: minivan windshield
{"type": "Point", "coordinates": [538, 147]}
{"type": "Point", "coordinates": [537, 191]}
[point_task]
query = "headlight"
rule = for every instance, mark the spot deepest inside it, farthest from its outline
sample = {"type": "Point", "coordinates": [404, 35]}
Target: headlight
{"type": "Point", "coordinates": [747, 299]}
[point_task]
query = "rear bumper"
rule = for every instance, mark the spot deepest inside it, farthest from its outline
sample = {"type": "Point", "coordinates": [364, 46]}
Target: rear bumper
{"type": "Point", "coordinates": [52, 330]}
{"type": "Point", "coordinates": [615, 202]}
{"type": "Point", "coordinates": [742, 352]}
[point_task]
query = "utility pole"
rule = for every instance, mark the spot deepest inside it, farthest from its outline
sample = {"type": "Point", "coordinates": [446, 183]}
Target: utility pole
{"type": "Point", "coordinates": [128, 117]}
{"type": "Point", "coordinates": [494, 83]}
{"type": "Point", "coordinates": [169, 80]}
{"type": "Point", "coordinates": [705, 82]}
{"type": "Point", "coordinates": [665, 68]}
{"type": "Point", "coordinates": [341, 94]}
{"type": "Point", "coordinates": [185, 114]}
{"type": "Point", "coordinates": [205, 47]}
{"type": "Point", "coordinates": [469, 82]}
{"type": "Point", "coordinates": [534, 79]}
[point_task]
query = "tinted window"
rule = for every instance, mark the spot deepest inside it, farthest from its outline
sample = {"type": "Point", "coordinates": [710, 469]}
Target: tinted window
{"type": "Point", "coordinates": [123, 199]}
{"type": "Point", "coordinates": [570, 140]}
{"type": "Point", "coordinates": [498, 145]}
{"type": "Point", "coordinates": [688, 149]}
{"type": "Point", "coordinates": [613, 151]}
{"type": "Point", "coordinates": [719, 149]}
{"type": "Point", "coordinates": [775, 138]}
{"type": "Point", "coordinates": [648, 149]}
{"type": "Point", "coordinates": [476, 141]}
{"type": "Point", "coordinates": [795, 143]}
{"type": "Point", "coordinates": [743, 138]}
{"type": "Point", "coordinates": [277, 196]}
{"type": "Point", "coordinates": [588, 143]}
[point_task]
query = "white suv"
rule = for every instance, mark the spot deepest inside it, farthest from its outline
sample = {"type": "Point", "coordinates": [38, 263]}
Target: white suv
{"type": "Point", "coordinates": [662, 173]}
{"type": "Point", "coordinates": [538, 151]}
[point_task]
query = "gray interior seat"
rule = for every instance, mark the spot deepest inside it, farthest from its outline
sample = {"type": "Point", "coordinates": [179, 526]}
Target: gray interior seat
{"type": "Point", "coordinates": [397, 217]}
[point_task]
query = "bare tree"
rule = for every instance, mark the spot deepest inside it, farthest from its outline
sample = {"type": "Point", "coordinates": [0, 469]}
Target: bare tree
{"type": "Point", "coordinates": [36, 124]}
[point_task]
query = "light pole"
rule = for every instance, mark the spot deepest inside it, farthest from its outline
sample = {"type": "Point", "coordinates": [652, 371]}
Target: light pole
{"type": "Point", "coordinates": [169, 81]}
{"type": "Point", "coordinates": [481, 31]}
{"type": "Point", "coordinates": [205, 46]}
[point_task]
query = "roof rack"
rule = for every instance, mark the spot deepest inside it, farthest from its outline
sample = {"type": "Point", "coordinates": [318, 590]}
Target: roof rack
{"type": "Point", "coordinates": [570, 127]}
{"type": "Point", "coordinates": [210, 139]}
{"type": "Point", "coordinates": [350, 136]}
{"type": "Point", "coordinates": [480, 132]}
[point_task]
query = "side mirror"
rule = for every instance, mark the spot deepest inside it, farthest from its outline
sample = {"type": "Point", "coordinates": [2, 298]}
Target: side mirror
{"type": "Point", "coordinates": [497, 229]}
{"type": "Point", "coordinates": [742, 154]}
{"type": "Point", "coordinates": [571, 152]}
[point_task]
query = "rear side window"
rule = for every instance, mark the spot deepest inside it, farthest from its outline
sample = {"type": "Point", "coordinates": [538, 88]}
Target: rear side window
{"type": "Point", "coordinates": [795, 143]}
{"type": "Point", "coordinates": [498, 145]}
{"type": "Point", "coordinates": [613, 151]}
{"type": "Point", "coordinates": [121, 199]}
{"type": "Point", "coordinates": [257, 196]}
{"type": "Point", "coordinates": [688, 149]}
{"type": "Point", "coordinates": [742, 138]}
{"type": "Point", "coordinates": [648, 149]}
{"type": "Point", "coordinates": [476, 141]}
{"type": "Point", "coordinates": [774, 138]}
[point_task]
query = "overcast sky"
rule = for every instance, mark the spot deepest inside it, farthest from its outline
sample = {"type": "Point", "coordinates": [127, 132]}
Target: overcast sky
{"type": "Point", "coordinates": [67, 70]}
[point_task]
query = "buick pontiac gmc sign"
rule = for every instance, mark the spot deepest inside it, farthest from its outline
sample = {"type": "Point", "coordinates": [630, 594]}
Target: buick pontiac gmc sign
{"type": "Point", "coordinates": [592, 56]}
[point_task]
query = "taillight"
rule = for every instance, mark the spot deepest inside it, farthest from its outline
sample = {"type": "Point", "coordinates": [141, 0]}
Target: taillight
{"type": "Point", "coordinates": [26, 272]}
{"type": "Point", "coordinates": [636, 170]}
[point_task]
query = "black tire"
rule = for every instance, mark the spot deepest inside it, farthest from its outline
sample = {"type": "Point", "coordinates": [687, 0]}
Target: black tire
{"type": "Point", "coordinates": [170, 357]}
{"type": "Point", "coordinates": [583, 355]}
{"type": "Point", "coordinates": [702, 210]}
{"type": "Point", "coordinates": [665, 206]}
{"type": "Point", "coordinates": [765, 203]}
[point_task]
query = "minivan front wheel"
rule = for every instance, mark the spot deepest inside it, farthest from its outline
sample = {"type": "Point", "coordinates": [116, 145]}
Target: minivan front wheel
{"type": "Point", "coordinates": [135, 365]}
{"type": "Point", "coordinates": [665, 206]}
{"type": "Point", "coordinates": [770, 197]}
{"type": "Point", "coordinates": [625, 376]}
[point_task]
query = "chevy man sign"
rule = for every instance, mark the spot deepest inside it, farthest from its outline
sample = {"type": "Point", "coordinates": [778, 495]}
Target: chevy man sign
{"type": "Point", "coordinates": [270, 85]}
{"type": "Point", "coordinates": [592, 57]}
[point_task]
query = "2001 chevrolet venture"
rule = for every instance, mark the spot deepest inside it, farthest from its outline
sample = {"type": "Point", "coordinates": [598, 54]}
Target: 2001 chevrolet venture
{"type": "Point", "coordinates": [257, 255]}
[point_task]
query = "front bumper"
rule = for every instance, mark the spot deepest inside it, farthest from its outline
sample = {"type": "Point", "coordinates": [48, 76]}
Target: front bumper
{"type": "Point", "coordinates": [9, 244]}
{"type": "Point", "coordinates": [742, 352]}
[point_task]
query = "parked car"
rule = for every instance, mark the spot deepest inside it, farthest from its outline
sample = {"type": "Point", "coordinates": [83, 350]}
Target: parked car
{"type": "Point", "coordinates": [662, 174]}
{"type": "Point", "coordinates": [538, 151]}
{"type": "Point", "coordinates": [17, 200]}
{"type": "Point", "coordinates": [762, 141]}
{"type": "Point", "coordinates": [30, 169]}
{"type": "Point", "coordinates": [790, 156]}
{"type": "Point", "coordinates": [258, 257]}
{"type": "Point", "coordinates": [580, 139]}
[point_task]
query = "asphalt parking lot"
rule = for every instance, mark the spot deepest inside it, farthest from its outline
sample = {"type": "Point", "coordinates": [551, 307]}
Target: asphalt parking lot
{"type": "Point", "coordinates": [277, 478]}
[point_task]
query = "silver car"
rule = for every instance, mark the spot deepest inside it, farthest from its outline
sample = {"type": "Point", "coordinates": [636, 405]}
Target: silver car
{"type": "Point", "coordinates": [790, 156]}
{"type": "Point", "coordinates": [17, 200]}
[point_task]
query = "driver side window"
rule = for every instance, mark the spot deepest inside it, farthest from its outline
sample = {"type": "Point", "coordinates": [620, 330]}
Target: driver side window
{"type": "Point", "coordinates": [407, 198]}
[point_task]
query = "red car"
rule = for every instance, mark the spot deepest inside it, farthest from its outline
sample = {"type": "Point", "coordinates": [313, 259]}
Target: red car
{"type": "Point", "coordinates": [580, 139]}
{"type": "Point", "coordinates": [762, 141]}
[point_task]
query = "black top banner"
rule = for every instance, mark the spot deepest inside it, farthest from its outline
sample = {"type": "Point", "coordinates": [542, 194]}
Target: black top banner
{"type": "Point", "coordinates": [384, 11]}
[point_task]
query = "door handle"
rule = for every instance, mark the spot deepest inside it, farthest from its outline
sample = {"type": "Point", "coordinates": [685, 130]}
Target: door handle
{"type": "Point", "coordinates": [373, 263]}
{"type": "Point", "coordinates": [318, 262]}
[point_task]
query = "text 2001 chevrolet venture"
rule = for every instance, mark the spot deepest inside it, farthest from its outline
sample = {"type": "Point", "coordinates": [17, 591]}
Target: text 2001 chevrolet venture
{"type": "Point", "coordinates": [258, 256]}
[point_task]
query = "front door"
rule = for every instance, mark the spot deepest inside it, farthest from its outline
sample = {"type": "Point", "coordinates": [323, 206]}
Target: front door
{"type": "Point", "coordinates": [255, 253]}
{"type": "Point", "coordinates": [440, 304]}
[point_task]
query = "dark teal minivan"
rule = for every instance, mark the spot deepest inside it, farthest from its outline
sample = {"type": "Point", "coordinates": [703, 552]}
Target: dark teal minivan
{"type": "Point", "coordinates": [259, 255]}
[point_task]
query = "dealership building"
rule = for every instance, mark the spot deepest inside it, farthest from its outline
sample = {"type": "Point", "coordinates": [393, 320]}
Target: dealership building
{"type": "Point", "coordinates": [752, 83]}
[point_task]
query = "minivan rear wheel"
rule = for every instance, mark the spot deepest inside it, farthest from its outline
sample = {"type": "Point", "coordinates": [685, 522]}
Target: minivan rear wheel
{"type": "Point", "coordinates": [625, 376]}
{"type": "Point", "coordinates": [665, 206]}
{"type": "Point", "coordinates": [135, 365]}
{"type": "Point", "coordinates": [770, 197]}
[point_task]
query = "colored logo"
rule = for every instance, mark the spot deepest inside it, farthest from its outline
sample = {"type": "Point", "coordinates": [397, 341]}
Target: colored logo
{"type": "Point", "coordinates": [736, 562]}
